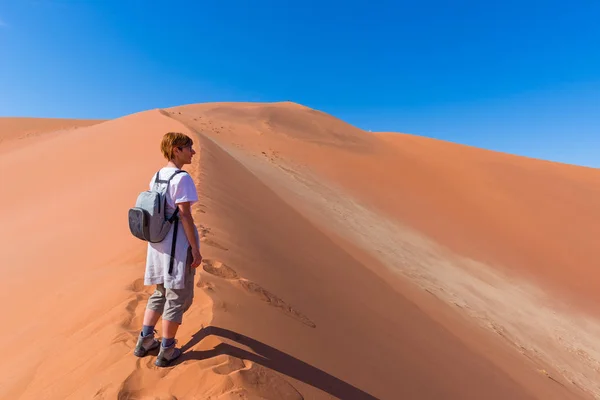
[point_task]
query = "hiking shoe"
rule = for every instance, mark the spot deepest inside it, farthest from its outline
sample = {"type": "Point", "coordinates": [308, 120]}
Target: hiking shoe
{"type": "Point", "coordinates": [145, 344]}
{"type": "Point", "coordinates": [166, 355]}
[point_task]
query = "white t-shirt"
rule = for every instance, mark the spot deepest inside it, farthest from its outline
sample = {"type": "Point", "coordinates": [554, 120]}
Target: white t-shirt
{"type": "Point", "coordinates": [181, 189]}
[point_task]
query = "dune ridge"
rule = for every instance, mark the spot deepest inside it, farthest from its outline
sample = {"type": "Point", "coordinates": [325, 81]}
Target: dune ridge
{"type": "Point", "coordinates": [12, 128]}
{"type": "Point", "coordinates": [322, 278]}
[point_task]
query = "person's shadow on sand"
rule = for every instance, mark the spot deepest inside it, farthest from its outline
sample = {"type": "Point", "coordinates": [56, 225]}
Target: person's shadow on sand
{"type": "Point", "coordinates": [272, 358]}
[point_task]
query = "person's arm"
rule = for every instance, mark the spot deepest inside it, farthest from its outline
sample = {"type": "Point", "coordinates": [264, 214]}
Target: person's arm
{"type": "Point", "coordinates": [185, 215]}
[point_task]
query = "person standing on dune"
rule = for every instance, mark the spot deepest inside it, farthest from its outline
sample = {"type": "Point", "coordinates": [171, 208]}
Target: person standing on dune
{"type": "Point", "coordinates": [174, 279]}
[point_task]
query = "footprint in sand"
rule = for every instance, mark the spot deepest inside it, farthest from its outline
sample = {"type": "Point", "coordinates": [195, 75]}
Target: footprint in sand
{"type": "Point", "coordinates": [273, 300]}
{"type": "Point", "coordinates": [137, 286]}
{"type": "Point", "coordinates": [205, 285]}
{"type": "Point", "coordinates": [256, 380]}
{"type": "Point", "coordinates": [210, 242]}
{"type": "Point", "coordinates": [127, 319]}
{"type": "Point", "coordinates": [132, 386]}
{"type": "Point", "coordinates": [230, 365]}
{"type": "Point", "coordinates": [131, 306]}
{"type": "Point", "coordinates": [203, 231]}
{"type": "Point", "coordinates": [217, 268]}
{"type": "Point", "coordinates": [221, 270]}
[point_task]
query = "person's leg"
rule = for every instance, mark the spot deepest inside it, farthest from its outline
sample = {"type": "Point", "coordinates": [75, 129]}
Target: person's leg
{"type": "Point", "coordinates": [183, 302]}
{"type": "Point", "coordinates": [169, 331]}
{"type": "Point", "coordinates": [177, 302]}
{"type": "Point", "coordinates": [154, 309]}
{"type": "Point", "coordinates": [171, 320]}
{"type": "Point", "coordinates": [150, 319]}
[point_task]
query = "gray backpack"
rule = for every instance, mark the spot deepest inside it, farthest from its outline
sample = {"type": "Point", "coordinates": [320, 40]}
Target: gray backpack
{"type": "Point", "coordinates": [148, 220]}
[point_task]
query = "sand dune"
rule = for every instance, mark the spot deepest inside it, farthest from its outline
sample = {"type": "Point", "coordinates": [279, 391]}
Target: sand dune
{"type": "Point", "coordinates": [338, 264]}
{"type": "Point", "coordinates": [22, 128]}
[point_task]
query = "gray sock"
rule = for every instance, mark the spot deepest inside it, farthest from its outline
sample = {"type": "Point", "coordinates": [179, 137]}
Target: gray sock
{"type": "Point", "coordinates": [146, 330]}
{"type": "Point", "coordinates": [167, 342]}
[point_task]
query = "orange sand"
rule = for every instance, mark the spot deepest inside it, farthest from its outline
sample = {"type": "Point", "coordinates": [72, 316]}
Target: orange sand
{"type": "Point", "coordinates": [338, 263]}
{"type": "Point", "coordinates": [18, 129]}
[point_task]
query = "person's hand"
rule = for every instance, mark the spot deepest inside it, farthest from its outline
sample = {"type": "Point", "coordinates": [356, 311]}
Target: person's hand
{"type": "Point", "coordinates": [197, 258]}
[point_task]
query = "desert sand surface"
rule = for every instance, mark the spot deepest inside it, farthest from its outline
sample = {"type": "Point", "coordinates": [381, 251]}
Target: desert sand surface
{"type": "Point", "coordinates": [337, 264]}
{"type": "Point", "coordinates": [22, 128]}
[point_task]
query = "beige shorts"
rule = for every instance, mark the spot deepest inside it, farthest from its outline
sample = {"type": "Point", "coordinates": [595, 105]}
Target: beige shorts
{"type": "Point", "coordinates": [172, 303]}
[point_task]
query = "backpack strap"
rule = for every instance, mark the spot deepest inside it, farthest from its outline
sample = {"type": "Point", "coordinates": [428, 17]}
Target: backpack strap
{"type": "Point", "coordinates": [175, 173]}
{"type": "Point", "coordinates": [158, 180]}
{"type": "Point", "coordinates": [175, 221]}
{"type": "Point", "coordinates": [172, 258]}
{"type": "Point", "coordinates": [174, 216]}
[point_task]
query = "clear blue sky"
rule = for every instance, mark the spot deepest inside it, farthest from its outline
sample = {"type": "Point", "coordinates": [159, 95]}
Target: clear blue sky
{"type": "Point", "coordinates": [515, 76]}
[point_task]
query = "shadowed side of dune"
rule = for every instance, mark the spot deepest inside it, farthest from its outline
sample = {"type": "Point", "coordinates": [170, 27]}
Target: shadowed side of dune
{"type": "Point", "coordinates": [272, 359]}
{"type": "Point", "coordinates": [366, 335]}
